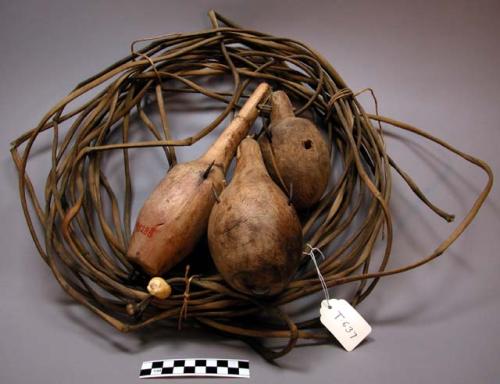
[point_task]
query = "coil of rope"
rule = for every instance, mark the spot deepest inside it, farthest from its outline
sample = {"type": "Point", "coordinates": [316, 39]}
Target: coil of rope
{"type": "Point", "coordinates": [85, 247]}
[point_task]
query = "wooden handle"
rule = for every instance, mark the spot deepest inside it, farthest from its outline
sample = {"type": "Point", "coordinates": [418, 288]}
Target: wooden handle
{"type": "Point", "coordinates": [223, 149]}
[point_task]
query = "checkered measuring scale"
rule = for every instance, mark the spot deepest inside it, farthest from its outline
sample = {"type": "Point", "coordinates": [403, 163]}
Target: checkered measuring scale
{"type": "Point", "coordinates": [195, 367]}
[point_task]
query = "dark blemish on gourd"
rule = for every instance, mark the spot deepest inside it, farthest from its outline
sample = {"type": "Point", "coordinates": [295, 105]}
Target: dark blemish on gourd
{"type": "Point", "coordinates": [237, 223]}
{"type": "Point", "coordinates": [205, 173]}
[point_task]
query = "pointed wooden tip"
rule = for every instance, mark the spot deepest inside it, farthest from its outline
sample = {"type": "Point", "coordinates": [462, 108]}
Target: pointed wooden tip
{"type": "Point", "coordinates": [257, 96]}
{"type": "Point", "coordinates": [282, 107]}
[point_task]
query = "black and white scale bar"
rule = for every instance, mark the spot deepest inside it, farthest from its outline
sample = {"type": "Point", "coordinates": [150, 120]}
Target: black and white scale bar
{"type": "Point", "coordinates": [195, 367]}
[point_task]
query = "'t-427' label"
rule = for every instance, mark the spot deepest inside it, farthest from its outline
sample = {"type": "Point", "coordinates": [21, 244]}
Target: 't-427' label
{"type": "Point", "coordinates": [344, 322]}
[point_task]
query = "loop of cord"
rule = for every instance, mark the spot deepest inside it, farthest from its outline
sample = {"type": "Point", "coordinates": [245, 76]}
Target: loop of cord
{"type": "Point", "coordinates": [186, 296]}
{"type": "Point", "coordinates": [81, 228]}
{"type": "Point", "coordinates": [311, 253]}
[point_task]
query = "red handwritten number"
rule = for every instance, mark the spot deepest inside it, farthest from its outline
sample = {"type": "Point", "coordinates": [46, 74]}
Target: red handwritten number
{"type": "Point", "coordinates": [145, 230]}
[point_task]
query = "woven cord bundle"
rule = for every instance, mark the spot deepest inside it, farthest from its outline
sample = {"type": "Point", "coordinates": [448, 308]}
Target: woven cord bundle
{"type": "Point", "coordinates": [85, 247]}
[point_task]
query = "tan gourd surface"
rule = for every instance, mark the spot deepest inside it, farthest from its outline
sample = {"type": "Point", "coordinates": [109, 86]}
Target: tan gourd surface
{"type": "Point", "coordinates": [175, 215]}
{"type": "Point", "coordinates": [254, 234]}
{"type": "Point", "coordinates": [295, 153]}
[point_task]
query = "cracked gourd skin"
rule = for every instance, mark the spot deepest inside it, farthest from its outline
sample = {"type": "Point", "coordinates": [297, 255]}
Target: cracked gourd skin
{"type": "Point", "coordinates": [301, 154]}
{"type": "Point", "coordinates": [254, 234]}
{"type": "Point", "coordinates": [175, 215]}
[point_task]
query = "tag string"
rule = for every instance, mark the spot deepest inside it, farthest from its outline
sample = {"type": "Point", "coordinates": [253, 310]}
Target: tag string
{"type": "Point", "coordinates": [311, 253]}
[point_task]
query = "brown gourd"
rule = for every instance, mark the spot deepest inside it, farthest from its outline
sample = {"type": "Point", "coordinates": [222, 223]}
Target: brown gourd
{"type": "Point", "coordinates": [175, 215]}
{"type": "Point", "coordinates": [254, 233]}
{"type": "Point", "coordinates": [295, 153]}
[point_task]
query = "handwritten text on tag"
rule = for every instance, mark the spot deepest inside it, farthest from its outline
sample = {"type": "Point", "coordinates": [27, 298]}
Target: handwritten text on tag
{"type": "Point", "coordinates": [344, 322]}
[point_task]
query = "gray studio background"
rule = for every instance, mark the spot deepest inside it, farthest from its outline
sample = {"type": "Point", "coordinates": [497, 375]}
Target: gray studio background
{"type": "Point", "coordinates": [433, 64]}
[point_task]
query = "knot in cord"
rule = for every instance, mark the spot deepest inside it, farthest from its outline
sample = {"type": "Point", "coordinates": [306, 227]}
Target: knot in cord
{"type": "Point", "coordinates": [311, 253]}
{"type": "Point", "coordinates": [186, 296]}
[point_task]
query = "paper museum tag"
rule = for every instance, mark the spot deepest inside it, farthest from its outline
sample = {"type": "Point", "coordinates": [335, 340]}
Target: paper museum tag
{"type": "Point", "coordinates": [344, 322]}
